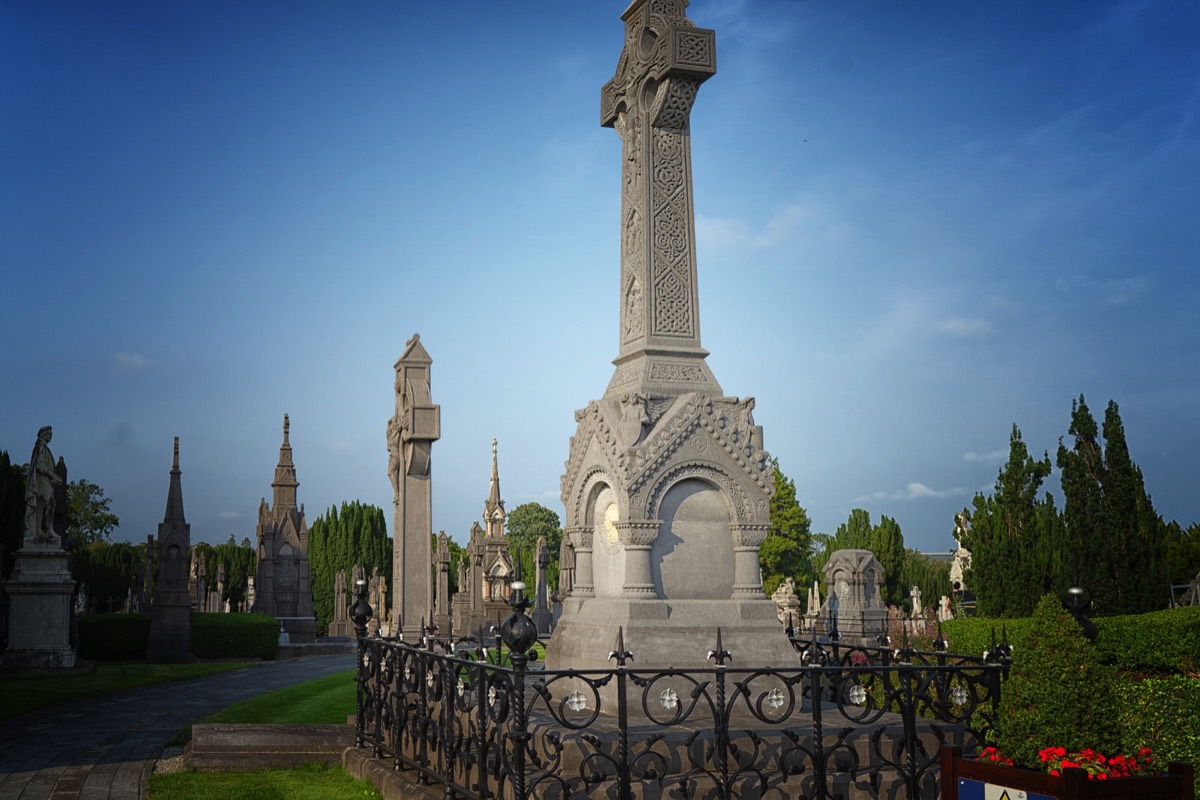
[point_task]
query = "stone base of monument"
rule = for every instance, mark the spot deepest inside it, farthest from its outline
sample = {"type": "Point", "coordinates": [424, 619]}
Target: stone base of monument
{"type": "Point", "coordinates": [228, 746]}
{"type": "Point", "coordinates": [660, 635]}
{"type": "Point", "coordinates": [297, 630]}
{"type": "Point", "coordinates": [39, 611]}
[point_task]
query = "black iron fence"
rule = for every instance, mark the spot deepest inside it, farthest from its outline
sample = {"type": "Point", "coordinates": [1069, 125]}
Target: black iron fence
{"type": "Point", "coordinates": [484, 721]}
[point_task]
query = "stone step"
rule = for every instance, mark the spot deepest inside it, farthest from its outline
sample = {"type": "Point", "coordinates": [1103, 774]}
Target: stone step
{"type": "Point", "coordinates": [229, 746]}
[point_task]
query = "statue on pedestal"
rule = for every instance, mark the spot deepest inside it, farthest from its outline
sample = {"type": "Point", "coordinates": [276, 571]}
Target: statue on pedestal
{"type": "Point", "coordinates": [39, 493]}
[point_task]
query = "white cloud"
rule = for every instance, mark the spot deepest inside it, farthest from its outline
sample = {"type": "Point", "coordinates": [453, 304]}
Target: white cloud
{"type": "Point", "coordinates": [965, 328]}
{"type": "Point", "coordinates": [133, 362]}
{"type": "Point", "coordinates": [913, 491]}
{"type": "Point", "coordinates": [782, 227]}
{"type": "Point", "coordinates": [994, 457]}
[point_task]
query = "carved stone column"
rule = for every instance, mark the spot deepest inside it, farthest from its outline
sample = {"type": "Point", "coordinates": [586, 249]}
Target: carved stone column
{"type": "Point", "coordinates": [581, 539]}
{"type": "Point", "coordinates": [747, 577]}
{"type": "Point", "coordinates": [636, 538]}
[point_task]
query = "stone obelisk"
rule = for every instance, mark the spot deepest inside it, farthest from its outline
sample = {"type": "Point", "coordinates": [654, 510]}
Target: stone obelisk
{"type": "Point", "coordinates": [667, 485]}
{"type": "Point", "coordinates": [171, 607]}
{"type": "Point", "coordinates": [411, 434]}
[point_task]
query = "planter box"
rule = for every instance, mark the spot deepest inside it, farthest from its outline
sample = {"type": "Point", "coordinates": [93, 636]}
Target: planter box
{"type": "Point", "coordinates": [968, 779]}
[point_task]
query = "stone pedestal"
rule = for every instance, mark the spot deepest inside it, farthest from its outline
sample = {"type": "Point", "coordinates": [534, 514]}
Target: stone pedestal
{"type": "Point", "coordinates": [39, 610]}
{"type": "Point", "coordinates": [299, 630]}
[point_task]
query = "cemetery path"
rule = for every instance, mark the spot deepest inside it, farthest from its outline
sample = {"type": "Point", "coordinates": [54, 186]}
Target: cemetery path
{"type": "Point", "coordinates": [105, 747]}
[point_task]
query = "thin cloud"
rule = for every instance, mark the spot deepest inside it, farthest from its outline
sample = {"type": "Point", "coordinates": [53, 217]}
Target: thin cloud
{"type": "Point", "coordinates": [913, 491]}
{"type": "Point", "coordinates": [965, 328]}
{"type": "Point", "coordinates": [1114, 292]}
{"type": "Point", "coordinates": [133, 362]}
{"type": "Point", "coordinates": [994, 457]}
{"type": "Point", "coordinates": [229, 514]}
{"type": "Point", "coordinates": [782, 227]}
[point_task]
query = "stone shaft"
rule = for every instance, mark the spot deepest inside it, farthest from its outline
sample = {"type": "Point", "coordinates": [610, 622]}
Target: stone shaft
{"type": "Point", "coordinates": [649, 102]}
{"type": "Point", "coordinates": [411, 434]}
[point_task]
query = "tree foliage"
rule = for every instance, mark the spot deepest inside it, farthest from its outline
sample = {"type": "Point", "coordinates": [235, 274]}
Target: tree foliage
{"type": "Point", "coordinates": [1015, 539]}
{"type": "Point", "coordinates": [1114, 540]}
{"type": "Point", "coordinates": [12, 511]}
{"type": "Point", "coordinates": [108, 573]}
{"type": "Point", "coordinates": [355, 533]}
{"type": "Point", "coordinates": [787, 550]}
{"type": "Point", "coordinates": [89, 518]}
{"type": "Point", "coordinates": [239, 561]}
{"type": "Point", "coordinates": [526, 523]}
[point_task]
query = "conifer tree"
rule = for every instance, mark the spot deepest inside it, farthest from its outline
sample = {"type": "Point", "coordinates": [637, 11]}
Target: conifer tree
{"type": "Point", "coordinates": [355, 533]}
{"type": "Point", "coordinates": [787, 550]}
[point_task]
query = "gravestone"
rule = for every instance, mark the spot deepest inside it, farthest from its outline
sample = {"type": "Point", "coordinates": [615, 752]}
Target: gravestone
{"type": "Point", "coordinates": [667, 485]}
{"type": "Point", "coordinates": [410, 437]}
{"type": "Point", "coordinates": [341, 624]}
{"type": "Point", "coordinates": [541, 616]}
{"type": "Point", "coordinates": [787, 603]}
{"type": "Point", "coordinates": [40, 587]}
{"type": "Point", "coordinates": [853, 584]}
{"type": "Point", "coordinates": [441, 614]}
{"type": "Point", "coordinates": [283, 579]}
{"type": "Point", "coordinates": [171, 606]}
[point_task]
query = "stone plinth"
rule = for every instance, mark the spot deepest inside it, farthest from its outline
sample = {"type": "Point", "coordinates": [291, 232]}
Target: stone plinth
{"type": "Point", "coordinates": [39, 621]}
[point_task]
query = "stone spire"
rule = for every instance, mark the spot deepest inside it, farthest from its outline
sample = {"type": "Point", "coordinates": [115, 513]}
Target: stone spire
{"type": "Point", "coordinates": [649, 102]}
{"type": "Point", "coordinates": [285, 483]}
{"type": "Point", "coordinates": [174, 512]}
{"type": "Point", "coordinates": [493, 509]}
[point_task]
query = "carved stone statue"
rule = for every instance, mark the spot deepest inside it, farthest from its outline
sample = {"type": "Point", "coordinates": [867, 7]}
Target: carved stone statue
{"type": "Point", "coordinates": [39, 493]}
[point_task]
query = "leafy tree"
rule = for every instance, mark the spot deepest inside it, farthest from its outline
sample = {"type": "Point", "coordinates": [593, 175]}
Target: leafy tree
{"type": "Point", "coordinates": [355, 533]}
{"type": "Point", "coordinates": [107, 572]}
{"type": "Point", "coordinates": [526, 523]}
{"type": "Point", "coordinates": [88, 516]}
{"type": "Point", "coordinates": [12, 511]}
{"type": "Point", "coordinates": [1014, 538]}
{"type": "Point", "coordinates": [239, 561]}
{"type": "Point", "coordinates": [931, 577]}
{"type": "Point", "coordinates": [787, 550]}
{"type": "Point", "coordinates": [1115, 542]}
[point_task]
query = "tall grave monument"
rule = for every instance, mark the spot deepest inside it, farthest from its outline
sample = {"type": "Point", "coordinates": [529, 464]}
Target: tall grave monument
{"type": "Point", "coordinates": [171, 607]}
{"type": "Point", "coordinates": [40, 588]}
{"type": "Point", "coordinates": [283, 578]}
{"type": "Point", "coordinates": [667, 485]}
{"type": "Point", "coordinates": [410, 437]}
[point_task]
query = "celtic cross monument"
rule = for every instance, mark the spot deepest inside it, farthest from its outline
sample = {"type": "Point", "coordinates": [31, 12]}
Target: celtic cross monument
{"type": "Point", "coordinates": [667, 486]}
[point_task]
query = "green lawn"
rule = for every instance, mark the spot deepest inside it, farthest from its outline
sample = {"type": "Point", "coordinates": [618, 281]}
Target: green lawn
{"type": "Point", "coordinates": [310, 782]}
{"type": "Point", "coordinates": [322, 700]}
{"type": "Point", "coordinates": [22, 695]}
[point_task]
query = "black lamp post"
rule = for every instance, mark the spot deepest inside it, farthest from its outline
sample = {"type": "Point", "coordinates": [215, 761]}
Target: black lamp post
{"type": "Point", "coordinates": [360, 611]}
{"type": "Point", "coordinates": [1075, 604]}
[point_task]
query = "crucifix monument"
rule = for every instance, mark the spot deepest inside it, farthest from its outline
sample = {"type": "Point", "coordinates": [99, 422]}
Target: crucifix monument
{"type": "Point", "coordinates": [410, 435]}
{"type": "Point", "coordinates": [667, 486]}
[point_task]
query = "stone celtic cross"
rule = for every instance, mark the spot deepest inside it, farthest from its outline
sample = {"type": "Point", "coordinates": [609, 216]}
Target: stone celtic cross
{"type": "Point", "coordinates": [649, 102]}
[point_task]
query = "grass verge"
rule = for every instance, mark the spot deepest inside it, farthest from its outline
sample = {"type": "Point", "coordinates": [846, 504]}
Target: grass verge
{"type": "Point", "coordinates": [327, 700]}
{"type": "Point", "coordinates": [309, 782]}
{"type": "Point", "coordinates": [23, 695]}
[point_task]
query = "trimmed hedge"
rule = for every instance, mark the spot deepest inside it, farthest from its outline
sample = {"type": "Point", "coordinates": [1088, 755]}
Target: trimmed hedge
{"type": "Point", "coordinates": [113, 637]}
{"type": "Point", "coordinates": [123, 637]}
{"type": "Point", "coordinates": [1164, 715]}
{"type": "Point", "coordinates": [235, 636]}
{"type": "Point", "coordinates": [1161, 641]}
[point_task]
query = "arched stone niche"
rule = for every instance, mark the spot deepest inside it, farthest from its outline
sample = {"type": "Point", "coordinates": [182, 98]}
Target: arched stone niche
{"type": "Point", "coordinates": [608, 564]}
{"type": "Point", "coordinates": [692, 557]}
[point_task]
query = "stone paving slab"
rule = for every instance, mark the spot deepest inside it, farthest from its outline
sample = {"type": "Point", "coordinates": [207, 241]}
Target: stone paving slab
{"type": "Point", "coordinates": [103, 748]}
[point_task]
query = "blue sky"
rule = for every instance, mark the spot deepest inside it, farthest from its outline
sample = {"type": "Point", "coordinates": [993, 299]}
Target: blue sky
{"type": "Point", "coordinates": [917, 224]}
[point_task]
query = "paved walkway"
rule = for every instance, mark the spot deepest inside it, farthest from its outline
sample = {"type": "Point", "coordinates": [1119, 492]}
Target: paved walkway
{"type": "Point", "coordinates": [104, 748]}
